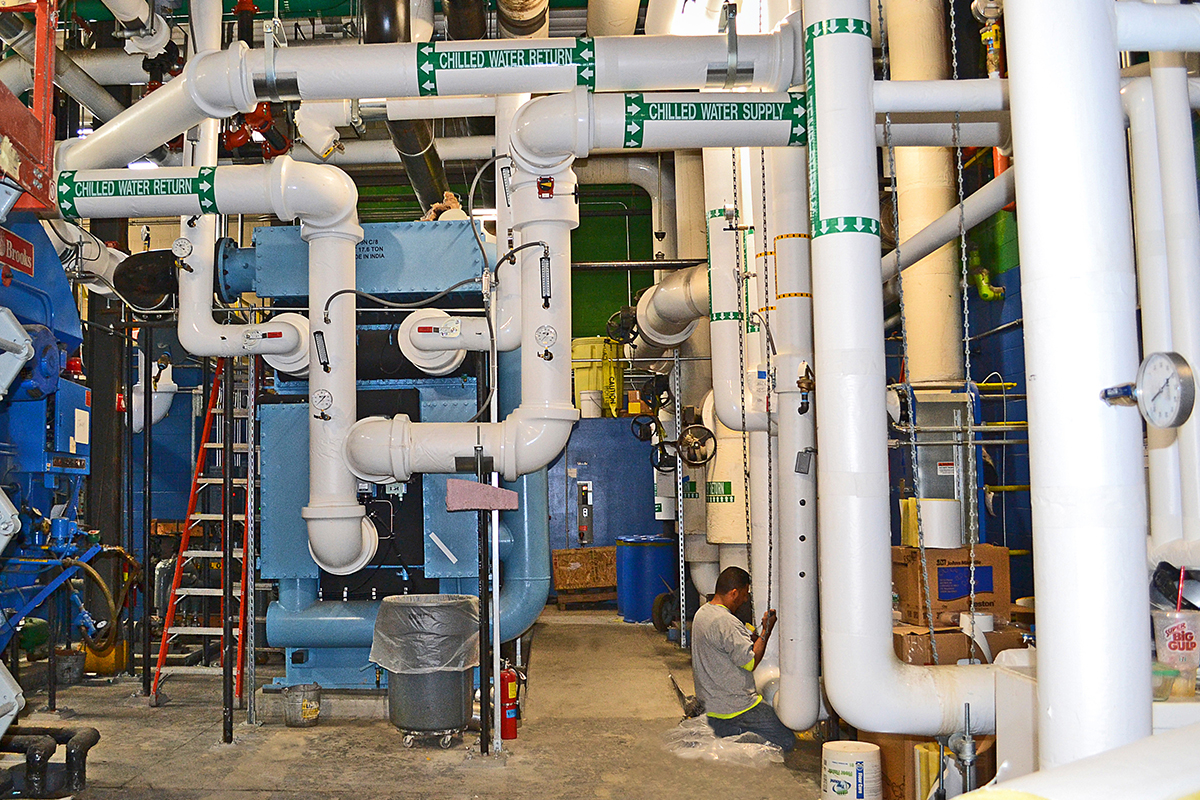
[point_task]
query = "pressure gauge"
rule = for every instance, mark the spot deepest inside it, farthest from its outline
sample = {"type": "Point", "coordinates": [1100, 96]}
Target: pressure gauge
{"type": "Point", "coordinates": [322, 399]}
{"type": "Point", "coordinates": [545, 336]}
{"type": "Point", "coordinates": [1165, 390]}
{"type": "Point", "coordinates": [181, 247]}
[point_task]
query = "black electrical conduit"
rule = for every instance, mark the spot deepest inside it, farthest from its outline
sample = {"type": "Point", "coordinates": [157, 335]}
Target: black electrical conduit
{"type": "Point", "coordinates": [78, 741]}
{"type": "Point", "coordinates": [387, 22]}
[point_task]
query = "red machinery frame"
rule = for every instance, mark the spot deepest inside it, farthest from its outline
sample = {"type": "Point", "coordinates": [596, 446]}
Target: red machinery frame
{"type": "Point", "coordinates": [30, 131]}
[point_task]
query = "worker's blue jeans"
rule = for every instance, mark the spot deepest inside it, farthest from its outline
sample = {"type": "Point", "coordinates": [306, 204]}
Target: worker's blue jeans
{"type": "Point", "coordinates": [761, 720]}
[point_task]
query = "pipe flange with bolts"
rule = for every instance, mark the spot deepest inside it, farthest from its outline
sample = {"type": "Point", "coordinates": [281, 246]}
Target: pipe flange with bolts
{"type": "Point", "coordinates": [295, 362]}
{"type": "Point", "coordinates": [654, 334]}
{"type": "Point", "coordinates": [432, 322]}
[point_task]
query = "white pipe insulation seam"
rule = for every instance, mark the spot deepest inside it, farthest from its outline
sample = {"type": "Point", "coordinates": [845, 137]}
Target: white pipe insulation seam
{"type": "Point", "coordinates": [384, 450]}
{"type": "Point", "coordinates": [220, 83]}
{"type": "Point", "coordinates": [865, 682]}
{"type": "Point", "coordinates": [341, 538]}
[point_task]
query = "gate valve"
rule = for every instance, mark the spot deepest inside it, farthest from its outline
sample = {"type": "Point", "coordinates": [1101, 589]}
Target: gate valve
{"type": "Point", "coordinates": [622, 326]}
{"type": "Point", "coordinates": [644, 427]}
{"type": "Point", "coordinates": [697, 445]}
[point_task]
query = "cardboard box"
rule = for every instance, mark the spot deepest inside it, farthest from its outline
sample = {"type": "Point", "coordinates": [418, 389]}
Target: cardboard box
{"type": "Point", "coordinates": [911, 643]}
{"type": "Point", "coordinates": [950, 583]}
{"type": "Point", "coordinates": [899, 767]}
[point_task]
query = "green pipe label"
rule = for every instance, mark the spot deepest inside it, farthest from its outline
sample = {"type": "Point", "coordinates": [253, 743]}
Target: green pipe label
{"type": "Point", "coordinates": [846, 225]}
{"type": "Point", "coordinates": [431, 60]}
{"type": "Point", "coordinates": [639, 111]}
{"type": "Point", "coordinates": [202, 186]}
{"type": "Point", "coordinates": [719, 492]}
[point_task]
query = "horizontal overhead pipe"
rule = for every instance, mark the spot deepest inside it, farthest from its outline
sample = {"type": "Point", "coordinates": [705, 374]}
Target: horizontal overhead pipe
{"type": "Point", "coordinates": [939, 96]}
{"type": "Point", "coordinates": [363, 152]}
{"type": "Point", "coordinates": [1152, 28]}
{"type": "Point", "coordinates": [219, 84]}
{"type": "Point", "coordinates": [146, 32]}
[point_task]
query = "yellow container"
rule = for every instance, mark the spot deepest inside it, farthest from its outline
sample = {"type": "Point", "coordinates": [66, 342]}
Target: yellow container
{"type": "Point", "coordinates": [597, 367]}
{"type": "Point", "coordinates": [106, 662]}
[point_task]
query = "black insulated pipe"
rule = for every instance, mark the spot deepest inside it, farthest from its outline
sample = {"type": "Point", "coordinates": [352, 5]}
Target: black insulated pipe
{"type": "Point", "coordinates": [465, 19]}
{"type": "Point", "coordinates": [79, 742]}
{"type": "Point", "coordinates": [387, 22]}
{"type": "Point", "coordinates": [37, 750]}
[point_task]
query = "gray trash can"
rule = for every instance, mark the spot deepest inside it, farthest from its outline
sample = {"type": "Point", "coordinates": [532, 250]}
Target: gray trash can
{"type": "Point", "coordinates": [429, 645]}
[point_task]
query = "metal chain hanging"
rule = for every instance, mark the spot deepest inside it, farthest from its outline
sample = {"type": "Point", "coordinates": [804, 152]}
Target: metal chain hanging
{"type": "Point", "coordinates": [910, 396]}
{"type": "Point", "coordinates": [970, 491]}
{"type": "Point", "coordinates": [770, 386]}
{"type": "Point", "coordinates": [743, 325]}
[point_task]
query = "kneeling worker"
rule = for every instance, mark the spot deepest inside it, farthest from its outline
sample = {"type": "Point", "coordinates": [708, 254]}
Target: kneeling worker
{"type": "Point", "coordinates": [724, 656]}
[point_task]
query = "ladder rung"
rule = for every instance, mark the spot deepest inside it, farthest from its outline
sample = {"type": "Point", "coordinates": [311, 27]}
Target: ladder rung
{"type": "Point", "coordinates": [238, 447]}
{"type": "Point", "coordinates": [189, 591]}
{"type": "Point", "coordinates": [219, 481]}
{"type": "Point", "coordinates": [217, 517]}
{"type": "Point", "coordinates": [237, 553]}
{"type": "Point", "coordinates": [213, 670]}
{"type": "Point", "coordinates": [195, 630]}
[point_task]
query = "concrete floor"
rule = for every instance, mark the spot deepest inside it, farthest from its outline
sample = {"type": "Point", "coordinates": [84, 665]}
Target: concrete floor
{"type": "Point", "coordinates": [598, 705]}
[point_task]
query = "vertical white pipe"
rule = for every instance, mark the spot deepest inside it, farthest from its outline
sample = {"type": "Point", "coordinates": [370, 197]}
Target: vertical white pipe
{"type": "Point", "coordinates": [1154, 294]}
{"type": "Point", "coordinates": [1077, 282]}
{"type": "Point", "coordinates": [1177, 166]}
{"type": "Point", "coordinates": [865, 682]}
{"type": "Point", "coordinates": [507, 319]}
{"type": "Point", "coordinates": [925, 189]}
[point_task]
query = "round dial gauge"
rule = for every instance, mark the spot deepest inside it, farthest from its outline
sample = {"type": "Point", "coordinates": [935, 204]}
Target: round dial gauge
{"type": "Point", "coordinates": [322, 399]}
{"type": "Point", "coordinates": [181, 247]}
{"type": "Point", "coordinates": [1165, 390]}
{"type": "Point", "coordinates": [545, 336]}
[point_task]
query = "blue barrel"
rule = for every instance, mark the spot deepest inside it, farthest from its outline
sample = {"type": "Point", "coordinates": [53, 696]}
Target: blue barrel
{"type": "Point", "coordinates": [646, 567]}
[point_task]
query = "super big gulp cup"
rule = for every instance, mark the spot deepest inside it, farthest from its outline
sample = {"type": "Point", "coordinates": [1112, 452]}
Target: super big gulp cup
{"type": "Point", "coordinates": [1177, 637]}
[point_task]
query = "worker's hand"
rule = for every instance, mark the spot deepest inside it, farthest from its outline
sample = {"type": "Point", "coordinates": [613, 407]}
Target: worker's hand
{"type": "Point", "coordinates": [768, 623]}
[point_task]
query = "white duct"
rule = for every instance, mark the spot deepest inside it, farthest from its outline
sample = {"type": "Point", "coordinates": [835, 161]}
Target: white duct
{"type": "Point", "coordinates": [162, 394]}
{"type": "Point", "coordinates": [386, 450]}
{"type": "Point", "coordinates": [341, 539]}
{"type": "Point", "coordinates": [1162, 447]}
{"type": "Point", "coordinates": [865, 682]}
{"type": "Point", "coordinates": [219, 84]}
{"type": "Point", "coordinates": [1079, 295]}
{"type": "Point", "coordinates": [17, 74]}
{"type": "Point", "coordinates": [925, 189]}
{"type": "Point", "coordinates": [1173, 122]}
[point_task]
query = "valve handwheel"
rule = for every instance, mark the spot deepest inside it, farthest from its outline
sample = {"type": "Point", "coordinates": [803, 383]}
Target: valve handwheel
{"type": "Point", "coordinates": [697, 445]}
{"type": "Point", "coordinates": [662, 459]}
{"type": "Point", "coordinates": [643, 427]}
{"type": "Point", "coordinates": [622, 326]}
{"type": "Point", "coordinates": [656, 392]}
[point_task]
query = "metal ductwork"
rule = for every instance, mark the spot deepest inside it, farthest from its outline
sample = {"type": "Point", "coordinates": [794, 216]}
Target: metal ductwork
{"type": "Point", "coordinates": [385, 22]}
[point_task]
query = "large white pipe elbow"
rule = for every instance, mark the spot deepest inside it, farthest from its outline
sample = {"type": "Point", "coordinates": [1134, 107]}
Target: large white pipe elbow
{"type": "Point", "coordinates": [550, 132]}
{"type": "Point", "coordinates": [161, 396]}
{"type": "Point", "coordinates": [341, 539]}
{"type": "Point", "coordinates": [318, 121]}
{"type": "Point", "coordinates": [671, 309]}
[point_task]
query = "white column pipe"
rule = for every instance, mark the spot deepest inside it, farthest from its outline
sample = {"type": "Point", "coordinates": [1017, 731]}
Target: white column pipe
{"type": "Point", "coordinates": [386, 450]}
{"type": "Point", "coordinates": [523, 19]}
{"type": "Point", "coordinates": [763, 552]}
{"type": "Point", "coordinates": [506, 310]}
{"type": "Point", "coordinates": [612, 17]}
{"type": "Point", "coordinates": [925, 189]}
{"type": "Point", "coordinates": [914, 95]}
{"type": "Point", "coordinates": [648, 173]}
{"type": "Point", "coordinates": [1079, 295]}
{"type": "Point", "coordinates": [798, 701]}
{"type": "Point", "coordinates": [220, 83]}
{"type": "Point", "coordinates": [1160, 767]}
{"type": "Point", "coordinates": [1154, 294]}
{"type": "Point", "coordinates": [990, 198]}
{"type": "Point", "coordinates": [1173, 120]}
{"type": "Point", "coordinates": [1149, 28]}
{"type": "Point", "coordinates": [865, 682]}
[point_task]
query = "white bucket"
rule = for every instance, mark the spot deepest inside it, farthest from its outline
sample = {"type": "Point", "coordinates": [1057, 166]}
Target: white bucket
{"type": "Point", "coordinates": [590, 404]}
{"type": "Point", "coordinates": [850, 771]}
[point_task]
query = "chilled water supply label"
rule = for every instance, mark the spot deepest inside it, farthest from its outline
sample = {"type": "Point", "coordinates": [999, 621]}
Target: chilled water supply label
{"type": "Point", "coordinates": [202, 186]}
{"type": "Point", "coordinates": [437, 61]}
{"type": "Point", "coordinates": [640, 113]}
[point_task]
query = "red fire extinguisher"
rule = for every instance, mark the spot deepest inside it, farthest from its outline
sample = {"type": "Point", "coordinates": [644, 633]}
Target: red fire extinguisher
{"type": "Point", "coordinates": [508, 703]}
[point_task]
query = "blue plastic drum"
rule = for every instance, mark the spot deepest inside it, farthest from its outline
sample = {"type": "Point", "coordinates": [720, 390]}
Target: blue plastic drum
{"type": "Point", "coordinates": [647, 566]}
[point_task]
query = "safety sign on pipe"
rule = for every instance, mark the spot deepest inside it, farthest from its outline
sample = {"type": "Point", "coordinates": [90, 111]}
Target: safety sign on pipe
{"type": "Point", "coordinates": [202, 186]}
{"type": "Point", "coordinates": [434, 59]}
{"type": "Point", "coordinates": [639, 111]}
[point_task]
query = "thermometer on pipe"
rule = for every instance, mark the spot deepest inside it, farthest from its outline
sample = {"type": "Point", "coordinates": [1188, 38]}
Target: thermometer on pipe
{"type": "Point", "coordinates": [1164, 390]}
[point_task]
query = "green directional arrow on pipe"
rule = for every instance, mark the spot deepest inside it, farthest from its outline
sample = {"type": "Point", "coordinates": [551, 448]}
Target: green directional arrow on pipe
{"type": "Point", "coordinates": [433, 59]}
{"type": "Point", "coordinates": [639, 111]}
{"type": "Point", "coordinates": [202, 185]}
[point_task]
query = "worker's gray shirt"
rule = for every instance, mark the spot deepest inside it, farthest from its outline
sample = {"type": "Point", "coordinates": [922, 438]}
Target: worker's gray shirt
{"type": "Point", "coordinates": [722, 662]}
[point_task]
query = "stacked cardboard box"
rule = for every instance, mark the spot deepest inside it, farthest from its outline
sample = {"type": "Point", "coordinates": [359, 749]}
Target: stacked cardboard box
{"type": "Point", "coordinates": [950, 583]}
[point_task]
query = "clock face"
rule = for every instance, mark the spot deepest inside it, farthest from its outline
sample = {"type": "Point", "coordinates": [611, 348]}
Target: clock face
{"type": "Point", "coordinates": [1166, 390]}
{"type": "Point", "coordinates": [321, 399]}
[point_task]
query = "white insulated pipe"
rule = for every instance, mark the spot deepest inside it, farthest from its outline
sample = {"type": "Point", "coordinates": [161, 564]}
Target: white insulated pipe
{"type": "Point", "coordinates": [385, 450]}
{"type": "Point", "coordinates": [671, 309]}
{"type": "Point", "coordinates": [865, 682]}
{"type": "Point", "coordinates": [98, 258]}
{"type": "Point", "coordinates": [1154, 295]}
{"type": "Point", "coordinates": [612, 17]}
{"type": "Point", "coordinates": [1079, 295]}
{"type": "Point", "coordinates": [220, 83]}
{"type": "Point", "coordinates": [970, 133]}
{"type": "Point", "coordinates": [359, 152]}
{"type": "Point", "coordinates": [916, 95]}
{"type": "Point", "coordinates": [162, 394]}
{"type": "Point", "coordinates": [1157, 28]}
{"type": "Point", "coordinates": [1181, 215]}
{"type": "Point", "coordinates": [150, 32]}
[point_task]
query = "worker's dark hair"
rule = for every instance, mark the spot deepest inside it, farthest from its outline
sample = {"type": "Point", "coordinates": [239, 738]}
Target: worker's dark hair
{"type": "Point", "coordinates": [732, 578]}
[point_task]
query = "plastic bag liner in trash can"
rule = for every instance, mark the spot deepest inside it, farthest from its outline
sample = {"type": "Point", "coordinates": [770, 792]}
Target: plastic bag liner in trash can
{"type": "Point", "coordinates": [420, 633]}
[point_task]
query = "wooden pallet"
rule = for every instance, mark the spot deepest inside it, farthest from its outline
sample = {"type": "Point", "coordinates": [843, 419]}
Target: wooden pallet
{"type": "Point", "coordinates": [567, 597]}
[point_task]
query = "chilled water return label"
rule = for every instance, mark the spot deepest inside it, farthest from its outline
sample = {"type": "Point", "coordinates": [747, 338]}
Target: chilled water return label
{"type": "Point", "coordinates": [954, 583]}
{"type": "Point", "coordinates": [435, 58]}
{"type": "Point", "coordinates": [689, 487]}
{"type": "Point", "coordinates": [202, 185]}
{"type": "Point", "coordinates": [719, 492]}
{"type": "Point", "coordinates": [639, 112]}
